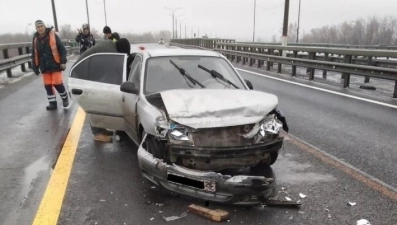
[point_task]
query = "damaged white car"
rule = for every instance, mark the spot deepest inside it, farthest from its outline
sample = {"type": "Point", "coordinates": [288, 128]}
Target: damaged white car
{"type": "Point", "coordinates": [192, 116]}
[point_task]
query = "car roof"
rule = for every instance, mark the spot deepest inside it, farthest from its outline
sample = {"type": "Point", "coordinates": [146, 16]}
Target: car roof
{"type": "Point", "coordinates": [159, 52]}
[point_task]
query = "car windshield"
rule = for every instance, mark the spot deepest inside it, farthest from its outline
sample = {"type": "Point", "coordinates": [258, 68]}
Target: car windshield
{"type": "Point", "coordinates": [162, 75]}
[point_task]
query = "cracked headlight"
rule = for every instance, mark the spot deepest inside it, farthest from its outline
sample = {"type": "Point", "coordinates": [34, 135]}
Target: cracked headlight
{"type": "Point", "coordinates": [179, 136]}
{"type": "Point", "coordinates": [162, 127]}
{"type": "Point", "coordinates": [270, 125]}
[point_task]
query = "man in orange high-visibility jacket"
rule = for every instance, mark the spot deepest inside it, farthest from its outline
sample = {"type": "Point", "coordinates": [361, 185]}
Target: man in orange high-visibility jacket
{"type": "Point", "coordinates": [49, 57]}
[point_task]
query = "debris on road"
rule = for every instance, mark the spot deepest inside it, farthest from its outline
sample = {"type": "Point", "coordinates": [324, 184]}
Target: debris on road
{"type": "Point", "coordinates": [217, 215]}
{"type": "Point", "coordinates": [363, 222]}
{"type": "Point", "coordinates": [153, 187]}
{"type": "Point", "coordinates": [302, 195]}
{"type": "Point", "coordinates": [301, 212]}
{"type": "Point", "coordinates": [152, 218]}
{"type": "Point", "coordinates": [279, 203]}
{"type": "Point", "coordinates": [288, 199]}
{"type": "Point", "coordinates": [102, 200]}
{"type": "Point", "coordinates": [172, 218]}
{"type": "Point", "coordinates": [352, 203]}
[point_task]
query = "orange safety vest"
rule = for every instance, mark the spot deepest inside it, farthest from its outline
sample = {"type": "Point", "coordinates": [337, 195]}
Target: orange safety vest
{"type": "Point", "coordinates": [54, 49]}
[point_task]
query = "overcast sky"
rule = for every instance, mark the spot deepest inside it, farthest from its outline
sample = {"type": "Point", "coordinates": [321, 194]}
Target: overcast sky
{"type": "Point", "coordinates": [225, 18]}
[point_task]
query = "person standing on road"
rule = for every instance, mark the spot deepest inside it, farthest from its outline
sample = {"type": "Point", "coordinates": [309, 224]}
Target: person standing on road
{"type": "Point", "coordinates": [49, 58]}
{"type": "Point", "coordinates": [109, 35]}
{"type": "Point", "coordinates": [85, 39]}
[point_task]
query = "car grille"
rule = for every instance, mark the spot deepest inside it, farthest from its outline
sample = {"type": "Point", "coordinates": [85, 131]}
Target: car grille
{"type": "Point", "coordinates": [222, 137]}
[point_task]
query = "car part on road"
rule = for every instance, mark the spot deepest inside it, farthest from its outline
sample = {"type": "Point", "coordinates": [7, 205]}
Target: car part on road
{"type": "Point", "coordinates": [363, 222]}
{"type": "Point", "coordinates": [279, 203]}
{"type": "Point", "coordinates": [172, 218]}
{"type": "Point", "coordinates": [216, 215]}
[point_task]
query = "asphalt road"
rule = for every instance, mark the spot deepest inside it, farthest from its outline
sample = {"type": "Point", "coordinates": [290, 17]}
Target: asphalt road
{"type": "Point", "coordinates": [105, 186]}
{"type": "Point", "coordinates": [360, 133]}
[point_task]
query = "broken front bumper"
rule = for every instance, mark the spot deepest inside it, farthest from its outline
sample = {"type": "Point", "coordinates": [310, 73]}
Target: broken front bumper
{"type": "Point", "coordinates": [207, 185]}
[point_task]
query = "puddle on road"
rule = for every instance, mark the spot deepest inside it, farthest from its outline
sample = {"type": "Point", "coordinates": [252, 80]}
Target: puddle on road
{"type": "Point", "coordinates": [289, 171]}
{"type": "Point", "coordinates": [30, 175]}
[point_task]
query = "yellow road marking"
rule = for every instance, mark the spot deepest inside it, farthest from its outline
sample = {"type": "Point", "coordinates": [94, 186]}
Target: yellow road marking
{"type": "Point", "coordinates": [51, 203]}
{"type": "Point", "coordinates": [349, 170]}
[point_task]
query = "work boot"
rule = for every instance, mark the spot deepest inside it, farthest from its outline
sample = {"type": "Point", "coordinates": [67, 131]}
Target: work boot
{"type": "Point", "coordinates": [52, 106]}
{"type": "Point", "coordinates": [65, 102]}
{"type": "Point", "coordinates": [103, 138]}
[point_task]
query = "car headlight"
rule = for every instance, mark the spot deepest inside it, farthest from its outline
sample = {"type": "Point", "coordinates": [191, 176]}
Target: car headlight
{"type": "Point", "coordinates": [179, 136]}
{"type": "Point", "coordinates": [162, 127]}
{"type": "Point", "coordinates": [270, 125]}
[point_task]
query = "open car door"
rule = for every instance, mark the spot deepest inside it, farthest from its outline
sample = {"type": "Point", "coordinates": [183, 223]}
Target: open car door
{"type": "Point", "coordinates": [94, 83]}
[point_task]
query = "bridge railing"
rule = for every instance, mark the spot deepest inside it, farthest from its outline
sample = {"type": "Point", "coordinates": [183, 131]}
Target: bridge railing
{"type": "Point", "coordinates": [362, 62]}
{"type": "Point", "coordinates": [327, 45]}
{"type": "Point", "coordinates": [208, 43]}
{"type": "Point", "coordinates": [19, 54]}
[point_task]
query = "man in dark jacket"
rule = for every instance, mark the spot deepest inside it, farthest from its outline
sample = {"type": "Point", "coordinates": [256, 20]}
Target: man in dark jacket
{"type": "Point", "coordinates": [49, 58]}
{"type": "Point", "coordinates": [84, 38]}
{"type": "Point", "coordinates": [120, 46]}
{"type": "Point", "coordinates": [109, 35]}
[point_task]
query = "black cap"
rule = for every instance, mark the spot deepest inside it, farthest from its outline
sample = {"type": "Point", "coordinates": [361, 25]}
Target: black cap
{"type": "Point", "coordinates": [123, 46]}
{"type": "Point", "coordinates": [107, 30]}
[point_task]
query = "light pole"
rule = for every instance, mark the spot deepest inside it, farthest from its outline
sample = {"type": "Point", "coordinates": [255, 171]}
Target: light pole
{"type": "Point", "coordinates": [285, 26]}
{"type": "Point", "coordinates": [173, 19]}
{"type": "Point", "coordinates": [104, 9]}
{"type": "Point", "coordinates": [253, 36]}
{"type": "Point", "coordinates": [88, 15]}
{"type": "Point", "coordinates": [299, 19]}
{"type": "Point", "coordinates": [55, 15]}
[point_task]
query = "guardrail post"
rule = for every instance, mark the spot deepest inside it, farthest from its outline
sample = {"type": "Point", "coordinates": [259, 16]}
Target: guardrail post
{"type": "Point", "coordinates": [238, 57]}
{"type": "Point", "coordinates": [27, 49]}
{"type": "Point", "coordinates": [5, 55]}
{"type": "Point", "coordinates": [271, 52]}
{"type": "Point", "coordinates": [279, 65]}
{"type": "Point", "coordinates": [295, 55]}
{"type": "Point", "coordinates": [395, 90]}
{"type": "Point", "coordinates": [311, 71]}
{"type": "Point", "coordinates": [244, 59]}
{"type": "Point", "coordinates": [20, 52]}
{"type": "Point", "coordinates": [268, 63]}
{"type": "Point", "coordinates": [370, 63]}
{"type": "Point", "coordinates": [260, 62]}
{"type": "Point", "coordinates": [326, 58]}
{"type": "Point", "coordinates": [250, 59]}
{"type": "Point", "coordinates": [346, 76]}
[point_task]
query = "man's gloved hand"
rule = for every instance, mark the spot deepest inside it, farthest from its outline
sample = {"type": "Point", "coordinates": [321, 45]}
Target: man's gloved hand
{"type": "Point", "coordinates": [63, 67]}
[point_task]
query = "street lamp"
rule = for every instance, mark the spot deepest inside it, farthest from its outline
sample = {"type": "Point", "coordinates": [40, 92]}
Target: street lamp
{"type": "Point", "coordinates": [253, 36]}
{"type": "Point", "coordinates": [88, 15]}
{"type": "Point", "coordinates": [173, 19]}
{"type": "Point", "coordinates": [299, 19]}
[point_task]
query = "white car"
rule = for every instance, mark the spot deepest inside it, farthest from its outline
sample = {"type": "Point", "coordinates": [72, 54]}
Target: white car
{"type": "Point", "coordinates": [161, 42]}
{"type": "Point", "coordinates": [192, 116]}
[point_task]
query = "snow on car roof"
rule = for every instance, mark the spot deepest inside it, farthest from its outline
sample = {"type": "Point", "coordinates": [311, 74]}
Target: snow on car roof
{"type": "Point", "coordinates": [180, 52]}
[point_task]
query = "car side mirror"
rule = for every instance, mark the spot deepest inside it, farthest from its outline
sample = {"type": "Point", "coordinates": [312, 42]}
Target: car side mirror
{"type": "Point", "coordinates": [129, 87]}
{"type": "Point", "coordinates": [249, 84]}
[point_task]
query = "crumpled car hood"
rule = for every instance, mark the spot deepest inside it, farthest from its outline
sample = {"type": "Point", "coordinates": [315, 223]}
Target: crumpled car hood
{"type": "Point", "coordinates": [205, 108]}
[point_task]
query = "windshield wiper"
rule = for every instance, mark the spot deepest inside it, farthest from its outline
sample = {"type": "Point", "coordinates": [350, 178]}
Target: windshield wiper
{"type": "Point", "coordinates": [215, 74]}
{"type": "Point", "coordinates": [185, 74]}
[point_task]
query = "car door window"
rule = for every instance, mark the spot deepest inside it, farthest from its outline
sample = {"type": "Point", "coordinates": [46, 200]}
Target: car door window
{"type": "Point", "coordinates": [136, 68]}
{"type": "Point", "coordinates": [104, 68]}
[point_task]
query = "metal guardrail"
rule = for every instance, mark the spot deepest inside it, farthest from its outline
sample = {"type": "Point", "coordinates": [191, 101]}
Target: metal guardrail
{"type": "Point", "coordinates": [325, 59]}
{"type": "Point", "coordinates": [326, 45]}
{"type": "Point", "coordinates": [22, 52]}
